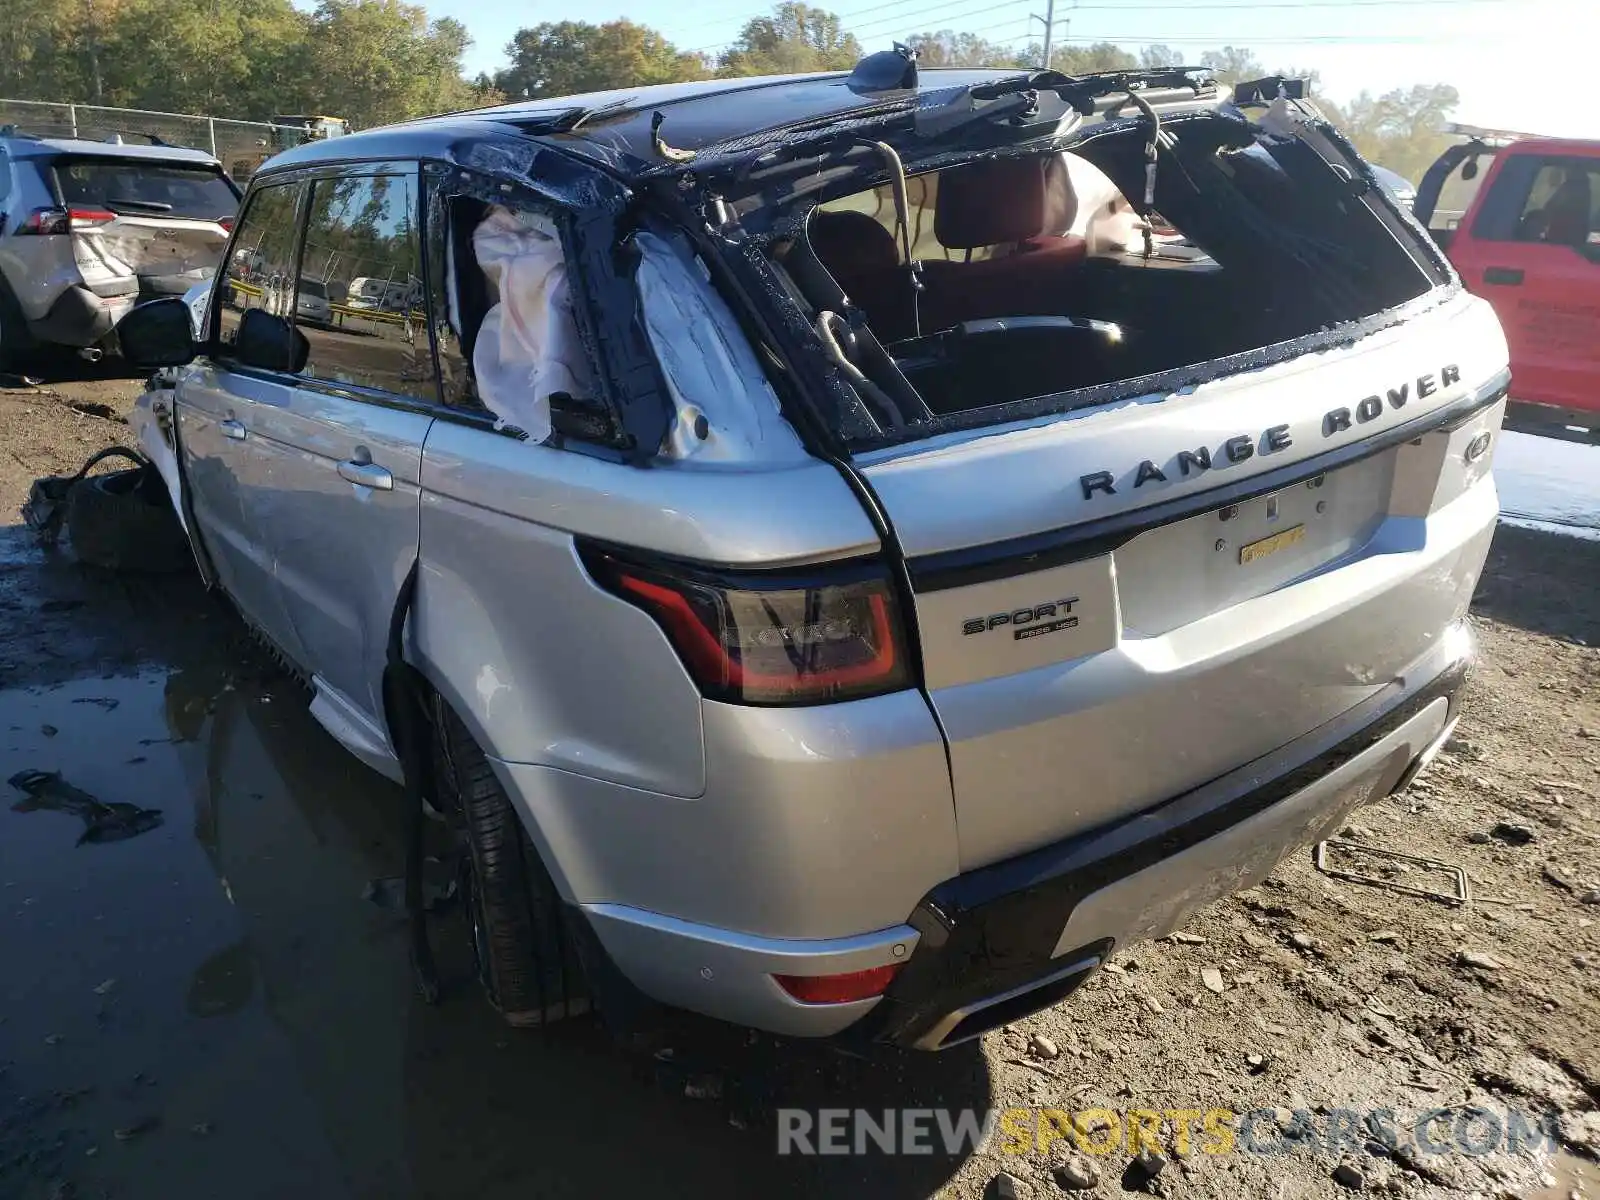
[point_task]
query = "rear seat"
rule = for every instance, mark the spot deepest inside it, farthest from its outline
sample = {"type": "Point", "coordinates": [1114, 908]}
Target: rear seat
{"type": "Point", "coordinates": [863, 259]}
{"type": "Point", "coordinates": [1002, 202]}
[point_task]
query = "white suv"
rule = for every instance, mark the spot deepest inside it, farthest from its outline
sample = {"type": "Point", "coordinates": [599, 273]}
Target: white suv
{"type": "Point", "coordinates": [847, 552]}
{"type": "Point", "coordinates": [87, 229]}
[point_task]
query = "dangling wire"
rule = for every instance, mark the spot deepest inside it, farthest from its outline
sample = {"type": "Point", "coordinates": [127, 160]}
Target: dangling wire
{"type": "Point", "coordinates": [902, 223]}
{"type": "Point", "coordinates": [1152, 148]}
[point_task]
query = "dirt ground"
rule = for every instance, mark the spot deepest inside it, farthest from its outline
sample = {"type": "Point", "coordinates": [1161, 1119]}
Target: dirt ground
{"type": "Point", "coordinates": [220, 1007]}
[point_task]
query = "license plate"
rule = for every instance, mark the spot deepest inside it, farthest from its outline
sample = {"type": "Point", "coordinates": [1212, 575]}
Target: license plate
{"type": "Point", "coordinates": [1256, 551]}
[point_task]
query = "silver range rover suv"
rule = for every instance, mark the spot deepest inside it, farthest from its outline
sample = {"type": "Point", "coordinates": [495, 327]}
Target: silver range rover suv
{"type": "Point", "coordinates": [847, 552]}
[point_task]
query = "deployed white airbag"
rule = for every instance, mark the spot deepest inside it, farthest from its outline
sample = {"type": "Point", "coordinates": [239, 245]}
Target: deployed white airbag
{"type": "Point", "coordinates": [726, 409]}
{"type": "Point", "coordinates": [528, 345]}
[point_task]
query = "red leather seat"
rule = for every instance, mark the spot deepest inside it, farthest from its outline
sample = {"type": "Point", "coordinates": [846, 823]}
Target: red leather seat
{"type": "Point", "coordinates": [1006, 202]}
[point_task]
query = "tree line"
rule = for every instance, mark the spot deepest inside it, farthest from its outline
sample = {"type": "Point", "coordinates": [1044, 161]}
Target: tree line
{"type": "Point", "coordinates": [378, 61]}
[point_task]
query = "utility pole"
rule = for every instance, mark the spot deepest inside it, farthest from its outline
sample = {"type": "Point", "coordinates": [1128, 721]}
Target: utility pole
{"type": "Point", "coordinates": [1049, 23]}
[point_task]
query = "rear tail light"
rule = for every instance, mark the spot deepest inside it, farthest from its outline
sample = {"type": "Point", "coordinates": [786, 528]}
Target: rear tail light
{"type": "Point", "coordinates": [48, 221]}
{"type": "Point", "coordinates": [226, 223]}
{"type": "Point", "coordinates": [89, 218]}
{"type": "Point", "coordinates": [838, 989]}
{"type": "Point", "coordinates": [45, 221]}
{"type": "Point", "coordinates": [761, 638]}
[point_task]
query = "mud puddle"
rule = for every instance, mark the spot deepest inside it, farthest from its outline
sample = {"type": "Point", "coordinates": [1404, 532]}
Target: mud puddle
{"type": "Point", "coordinates": [215, 1005]}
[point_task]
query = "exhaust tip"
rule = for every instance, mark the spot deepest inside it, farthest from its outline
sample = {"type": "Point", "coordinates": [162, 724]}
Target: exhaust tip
{"type": "Point", "coordinates": [91, 354]}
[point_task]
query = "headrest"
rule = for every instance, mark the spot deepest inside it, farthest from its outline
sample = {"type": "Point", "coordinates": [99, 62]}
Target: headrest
{"type": "Point", "coordinates": [1060, 198]}
{"type": "Point", "coordinates": [851, 243]}
{"type": "Point", "coordinates": [1567, 212]}
{"type": "Point", "coordinates": [989, 203]}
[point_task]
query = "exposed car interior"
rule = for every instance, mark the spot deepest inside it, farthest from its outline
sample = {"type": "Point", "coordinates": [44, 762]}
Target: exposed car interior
{"type": "Point", "coordinates": [1017, 277]}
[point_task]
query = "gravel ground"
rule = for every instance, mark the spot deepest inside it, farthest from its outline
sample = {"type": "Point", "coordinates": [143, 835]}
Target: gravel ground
{"type": "Point", "coordinates": [213, 1008]}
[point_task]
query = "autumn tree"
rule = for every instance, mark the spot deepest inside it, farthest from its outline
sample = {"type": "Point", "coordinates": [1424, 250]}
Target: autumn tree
{"type": "Point", "coordinates": [795, 38]}
{"type": "Point", "coordinates": [566, 57]}
{"type": "Point", "coordinates": [1080, 60]}
{"type": "Point", "coordinates": [947, 48]}
{"type": "Point", "coordinates": [1403, 129]}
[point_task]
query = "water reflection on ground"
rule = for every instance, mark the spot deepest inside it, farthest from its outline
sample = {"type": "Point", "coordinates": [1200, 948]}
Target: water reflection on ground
{"type": "Point", "coordinates": [1549, 483]}
{"type": "Point", "coordinates": [212, 1007]}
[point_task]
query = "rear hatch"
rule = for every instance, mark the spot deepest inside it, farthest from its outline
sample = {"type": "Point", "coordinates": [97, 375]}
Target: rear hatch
{"type": "Point", "coordinates": [1162, 513]}
{"type": "Point", "coordinates": [1091, 656]}
{"type": "Point", "coordinates": [145, 225]}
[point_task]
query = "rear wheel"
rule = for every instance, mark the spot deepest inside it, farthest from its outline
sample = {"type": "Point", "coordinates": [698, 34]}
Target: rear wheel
{"type": "Point", "coordinates": [16, 343]}
{"type": "Point", "coordinates": [525, 957]}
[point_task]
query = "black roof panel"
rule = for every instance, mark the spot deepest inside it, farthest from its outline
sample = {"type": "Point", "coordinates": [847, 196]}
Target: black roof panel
{"type": "Point", "coordinates": [697, 114]}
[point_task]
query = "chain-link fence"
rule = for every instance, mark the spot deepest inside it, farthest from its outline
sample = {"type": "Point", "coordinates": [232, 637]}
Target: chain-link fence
{"type": "Point", "coordinates": [241, 145]}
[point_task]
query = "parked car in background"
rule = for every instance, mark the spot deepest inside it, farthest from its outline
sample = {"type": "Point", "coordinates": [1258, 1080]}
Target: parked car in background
{"type": "Point", "coordinates": [87, 229]}
{"type": "Point", "coordinates": [1530, 244]}
{"type": "Point", "coordinates": [390, 295]}
{"type": "Point", "coordinates": [1399, 186]}
{"type": "Point", "coordinates": [855, 589]}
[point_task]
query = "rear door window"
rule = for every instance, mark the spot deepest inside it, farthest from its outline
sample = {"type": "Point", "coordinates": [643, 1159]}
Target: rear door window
{"type": "Point", "coordinates": [146, 188]}
{"type": "Point", "coordinates": [365, 227]}
{"type": "Point", "coordinates": [1553, 199]}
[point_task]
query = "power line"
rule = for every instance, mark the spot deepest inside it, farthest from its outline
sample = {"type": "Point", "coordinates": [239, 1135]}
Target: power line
{"type": "Point", "coordinates": [876, 28]}
{"type": "Point", "coordinates": [850, 15]}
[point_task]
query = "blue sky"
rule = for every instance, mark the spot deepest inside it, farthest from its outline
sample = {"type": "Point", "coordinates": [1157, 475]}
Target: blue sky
{"type": "Point", "coordinates": [1490, 49]}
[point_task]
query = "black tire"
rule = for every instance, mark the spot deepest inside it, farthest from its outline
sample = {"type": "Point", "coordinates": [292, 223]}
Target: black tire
{"type": "Point", "coordinates": [123, 521]}
{"type": "Point", "coordinates": [525, 956]}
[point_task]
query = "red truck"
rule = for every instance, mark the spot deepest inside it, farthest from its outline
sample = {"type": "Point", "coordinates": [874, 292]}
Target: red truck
{"type": "Point", "coordinates": [1529, 243]}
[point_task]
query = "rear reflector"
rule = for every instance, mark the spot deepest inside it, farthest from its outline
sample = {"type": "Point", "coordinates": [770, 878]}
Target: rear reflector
{"type": "Point", "coordinates": [760, 638]}
{"type": "Point", "coordinates": [838, 989]}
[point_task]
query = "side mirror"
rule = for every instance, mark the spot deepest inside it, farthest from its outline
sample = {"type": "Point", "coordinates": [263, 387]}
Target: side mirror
{"type": "Point", "coordinates": [158, 334]}
{"type": "Point", "coordinates": [270, 343]}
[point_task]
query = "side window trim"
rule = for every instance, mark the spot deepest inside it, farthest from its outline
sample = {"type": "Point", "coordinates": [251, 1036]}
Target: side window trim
{"type": "Point", "coordinates": [214, 343]}
{"type": "Point", "coordinates": [409, 170]}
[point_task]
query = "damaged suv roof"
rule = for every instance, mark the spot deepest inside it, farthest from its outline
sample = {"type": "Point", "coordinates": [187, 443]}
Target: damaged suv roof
{"type": "Point", "coordinates": [619, 128]}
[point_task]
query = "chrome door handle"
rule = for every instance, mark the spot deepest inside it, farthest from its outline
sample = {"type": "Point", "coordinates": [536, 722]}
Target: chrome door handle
{"type": "Point", "coordinates": [232, 429]}
{"type": "Point", "coordinates": [367, 475]}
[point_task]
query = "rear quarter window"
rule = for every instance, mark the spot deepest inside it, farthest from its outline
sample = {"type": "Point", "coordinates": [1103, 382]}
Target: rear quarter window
{"type": "Point", "coordinates": [146, 188]}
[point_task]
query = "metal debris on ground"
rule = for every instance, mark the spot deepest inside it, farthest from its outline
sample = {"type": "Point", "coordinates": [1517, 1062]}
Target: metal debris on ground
{"type": "Point", "coordinates": [1460, 895]}
{"type": "Point", "coordinates": [101, 822]}
{"type": "Point", "coordinates": [1511, 834]}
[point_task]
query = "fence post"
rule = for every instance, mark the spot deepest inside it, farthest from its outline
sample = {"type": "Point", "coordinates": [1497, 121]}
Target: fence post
{"type": "Point", "coordinates": [72, 118]}
{"type": "Point", "coordinates": [211, 128]}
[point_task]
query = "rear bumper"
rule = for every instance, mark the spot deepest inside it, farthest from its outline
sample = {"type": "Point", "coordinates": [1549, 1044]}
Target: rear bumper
{"type": "Point", "coordinates": [992, 945]}
{"type": "Point", "coordinates": [80, 318]}
{"type": "Point", "coordinates": [1012, 938]}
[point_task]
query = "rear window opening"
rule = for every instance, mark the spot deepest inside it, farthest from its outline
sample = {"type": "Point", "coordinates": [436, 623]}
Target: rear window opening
{"type": "Point", "coordinates": [1039, 276]}
{"type": "Point", "coordinates": [134, 188]}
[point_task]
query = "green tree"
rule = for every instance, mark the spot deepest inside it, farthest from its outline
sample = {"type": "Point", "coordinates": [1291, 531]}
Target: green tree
{"type": "Point", "coordinates": [379, 61]}
{"type": "Point", "coordinates": [1080, 60]}
{"type": "Point", "coordinates": [795, 38]}
{"type": "Point", "coordinates": [566, 57]}
{"type": "Point", "coordinates": [1403, 129]}
{"type": "Point", "coordinates": [229, 58]}
{"type": "Point", "coordinates": [947, 48]}
{"type": "Point", "coordinates": [1158, 55]}
{"type": "Point", "coordinates": [1233, 64]}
